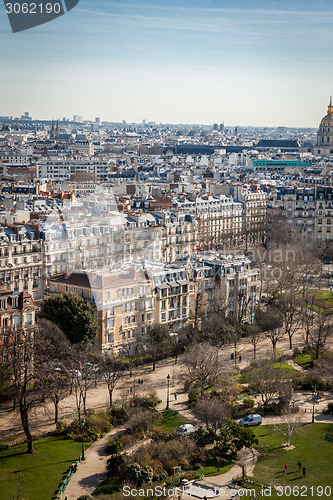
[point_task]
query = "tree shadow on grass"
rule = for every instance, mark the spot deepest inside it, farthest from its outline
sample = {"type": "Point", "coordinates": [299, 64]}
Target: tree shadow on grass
{"type": "Point", "coordinates": [42, 465]}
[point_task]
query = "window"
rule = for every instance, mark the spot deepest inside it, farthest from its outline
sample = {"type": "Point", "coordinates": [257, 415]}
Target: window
{"type": "Point", "coordinates": [110, 338]}
{"type": "Point", "coordinates": [28, 319]}
{"type": "Point", "coordinates": [149, 317]}
{"type": "Point", "coordinates": [67, 289]}
{"type": "Point", "coordinates": [82, 292]}
{"type": "Point", "coordinates": [16, 319]}
{"type": "Point", "coordinates": [111, 323]}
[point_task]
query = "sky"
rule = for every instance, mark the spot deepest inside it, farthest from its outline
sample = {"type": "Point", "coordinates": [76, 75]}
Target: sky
{"type": "Point", "coordinates": [241, 62]}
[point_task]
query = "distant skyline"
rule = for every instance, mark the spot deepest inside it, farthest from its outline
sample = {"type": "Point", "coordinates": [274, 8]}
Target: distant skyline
{"type": "Point", "coordinates": [245, 62]}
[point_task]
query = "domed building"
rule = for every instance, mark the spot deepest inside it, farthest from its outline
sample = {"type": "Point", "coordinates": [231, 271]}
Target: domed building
{"type": "Point", "coordinates": [324, 145]}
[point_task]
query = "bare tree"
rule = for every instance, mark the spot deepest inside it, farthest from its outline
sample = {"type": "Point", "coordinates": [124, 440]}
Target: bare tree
{"type": "Point", "coordinates": [202, 366]}
{"type": "Point", "coordinates": [130, 355]}
{"type": "Point", "coordinates": [19, 347]}
{"type": "Point", "coordinates": [266, 378]}
{"type": "Point", "coordinates": [53, 352]}
{"type": "Point", "coordinates": [112, 370]}
{"type": "Point", "coordinates": [83, 376]}
{"type": "Point", "coordinates": [156, 341]}
{"type": "Point", "coordinates": [290, 426]}
{"type": "Point", "coordinates": [321, 331]}
{"type": "Point", "coordinates": [254, 338]}
{"type": "Point", "coordinates": [274, 336]}
{"type": "Point", "coordinates": [211, 412]}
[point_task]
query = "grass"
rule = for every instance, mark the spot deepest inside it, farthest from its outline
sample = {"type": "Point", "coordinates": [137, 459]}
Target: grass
{"type": "Point", "coordinates": [323, 301]}
{"type": "Point", "coordinates": [36, 476]}
{"type": "Point", "coordinates": [213, 470]}
{"type": "Point", "coordinates": [304, 360]}
{"type": "Point", "coordinates": [285, 366]}
{"type": "Point", "coordinates": [310, 449]}
{"type": "Point", "coordinates": [171, 421]}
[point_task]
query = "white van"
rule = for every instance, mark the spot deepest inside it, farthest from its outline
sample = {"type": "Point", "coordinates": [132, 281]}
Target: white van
{"type": "Point", "coordinates": [251, 420]}
{"type": "Point", "coordinates": [184, 430]}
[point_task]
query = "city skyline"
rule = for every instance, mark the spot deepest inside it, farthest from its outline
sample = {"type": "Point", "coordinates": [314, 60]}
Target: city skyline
{"type": "Point", "coordinates": [248, 62]}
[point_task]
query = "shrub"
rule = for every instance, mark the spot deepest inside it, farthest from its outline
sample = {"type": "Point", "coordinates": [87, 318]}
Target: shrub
{"type": "Point", "coordinates": [85, 497]}
{"type": "Point", "coordinates": [98, 421]}
{"type": "Point", "coordinates": [120, 412]}
{"type": "Point", "coordinates": [147, 474]}
{"type": "Point", "coordinates": [248, 402]}
{"type": "Point", "coordinates": [114, 446]}
{"type": "Point", "coordinates": [296, 352]}
{"type": "Point", "coordinates": [61, 426]}
{"type": "Point", "coordinates": [148, 401]}
{"type": "Point", "coordinates": [310, 381]}
{"type": "Point", "coordinates": [193, 395]}
{"type": "Point", "coordinates": [202, 437]}
{"type": "Point", "coordinates": [116, 465]}
{"type": "Point", "coordinates": [160, 477]}
{"type": "Point", "coordinates": [133, 473]}
{"type": "Point", "coordinates": [142, 422]}
{"type": "Point", "coordinates": [330, 407]}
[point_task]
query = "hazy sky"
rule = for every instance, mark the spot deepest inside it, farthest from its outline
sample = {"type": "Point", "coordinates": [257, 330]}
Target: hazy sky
{"type": "Point", "coordinates": [187, 61]}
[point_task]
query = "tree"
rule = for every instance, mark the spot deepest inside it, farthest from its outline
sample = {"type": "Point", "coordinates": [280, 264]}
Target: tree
{"type": "Point", "coordinates": [211, 412]}
{"type": "Point", "coordinates": [112, 370]}
{"type": "Point", "coordinates": [274, 336]}
{"type": "Point", "coordinates": [76, 318]}
{"type": "Point", "coordinates": [83, 376]}
{"type": "Point", "coordinates": [19, 347]}
{"type": "Point", "coordinates": [255, 338]}
{"type": "Point", "coordinates": [156, 341]}
{"type": "Point", "coordinates": [54, 355]}
{"type": "Point", "coordinates": [202, 366]}
{"type": "Point", "coordinates": [130, 354]}
{"type": "Point", "coordinates": [232, 438]}
{"type": "Point", "coordinates": [320, 332]}
{"type": "Point", "coordinates": [290, 426]}
{"type": "Point", "coordinates": [266, 378]}
{"type": "Point", "coordinates": [6, 387]}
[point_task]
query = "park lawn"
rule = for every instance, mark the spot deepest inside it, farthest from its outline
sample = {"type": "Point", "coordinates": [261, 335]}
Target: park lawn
{"type": "Point", "coordinates": [304, 360]}
{"type": "Point", "coordinates": [171, 421]}
{"type": "Point", "coordinates": [310, 449]}
{"type": "Point", "coordinates": [213, 470]}
{"type": "Point", "coordinates": [37, 476]}
{"type": "Point", "coordinates": [323, 301]}
{"type": "Point", "coordinates": [285, 366]}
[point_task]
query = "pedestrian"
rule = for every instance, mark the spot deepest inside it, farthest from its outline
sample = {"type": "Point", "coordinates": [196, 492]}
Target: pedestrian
{"type": "Point", "coordinates": [176, 396]}
{"type": "Point", "coordinates": [205, 498]}
{"type": "Point", "coordinates": [240, 358]}
{"type": "Point", "coordinates": [304, 471]}
{"type": "Point", "coordinates": [299, 466]}
{"type": "Point", "coordinates": [285, 469]}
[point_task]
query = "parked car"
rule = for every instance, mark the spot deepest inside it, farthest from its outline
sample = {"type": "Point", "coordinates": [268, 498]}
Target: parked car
{"type": "Point", "coordinates": [251, 420]}
{"type": "Point", "coordinates": [184, 430]}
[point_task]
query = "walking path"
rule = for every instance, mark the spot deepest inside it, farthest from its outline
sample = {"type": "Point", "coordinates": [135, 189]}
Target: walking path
{"type": "Point", "coordinates": [92, 471]}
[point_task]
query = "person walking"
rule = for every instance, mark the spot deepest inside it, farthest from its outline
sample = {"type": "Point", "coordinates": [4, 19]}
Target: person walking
{"type": "Point", "coordinates": [285, 469]}
{"type": "Point", "coordinates": [304, 471]}
{"type": "Point", "coordinates": [299, 466]}
{"type": "Point", "coordinates": [176, 395]}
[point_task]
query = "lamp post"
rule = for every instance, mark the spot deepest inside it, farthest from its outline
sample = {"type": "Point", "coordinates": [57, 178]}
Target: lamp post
{"type": "Point", "coordinates": [83, 422]}
{"type": "Point", "coordinates": [313, 403]}
{"type": "Point", "coordinates": [168, 392]}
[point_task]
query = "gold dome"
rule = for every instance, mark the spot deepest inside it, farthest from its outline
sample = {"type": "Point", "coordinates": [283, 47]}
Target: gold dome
{"type": "Point", "coordinates": [328, 119]}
